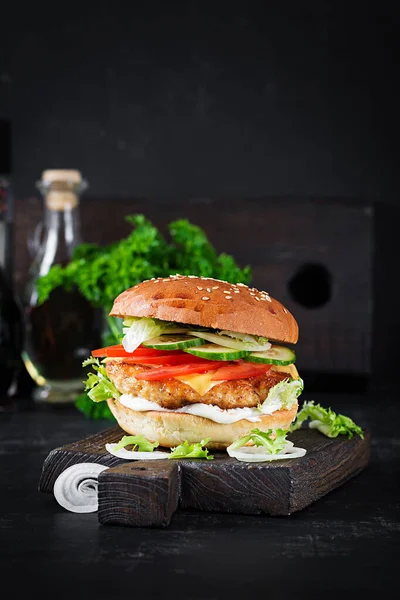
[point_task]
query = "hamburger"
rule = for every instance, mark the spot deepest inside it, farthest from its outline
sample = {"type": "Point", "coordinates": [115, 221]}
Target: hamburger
{"type": "Point", "coordinates": [200, 358]}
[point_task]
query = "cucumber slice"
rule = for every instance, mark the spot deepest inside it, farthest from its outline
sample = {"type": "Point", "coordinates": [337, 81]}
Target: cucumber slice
{"type": "Point", "coordinates": [173, 342]}
{"type": "Point", "coordinates": [231, 342]}
{"type": "Point", "coordinates": [276, 355]}
{"type": "Point", "coordinates": [216, 352]}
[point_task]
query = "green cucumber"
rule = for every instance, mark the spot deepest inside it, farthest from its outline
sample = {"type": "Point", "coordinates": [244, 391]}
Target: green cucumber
{"type": "Point", "coordinates": [215, 352]}
{"type": "Point", "coordinates": [249, 345]}
{"type": "Point", "coordinates": [276, 355]}
{"type": "Point", "coordinates": [173, 342]}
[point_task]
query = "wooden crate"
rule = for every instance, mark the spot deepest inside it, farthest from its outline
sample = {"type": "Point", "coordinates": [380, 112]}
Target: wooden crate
{"type": "Point", "coordinates": [313, 255]}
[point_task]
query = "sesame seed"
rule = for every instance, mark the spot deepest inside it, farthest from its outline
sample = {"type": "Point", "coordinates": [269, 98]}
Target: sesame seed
{"type": "Point", "coordinates": [268, 298]}
{"type": "Point", "coordinates": [156, 281]}
{"type": "Point", "coordinates": [208, 289]}
{"type": "Point", "coordinates": [237, 291]}
{"type": "Point", "coordinates": [226, 292]}
{"type": "Point", "coordinates": [241, 284]}
{"type": "Point", "coordinates": [205, 298]}
{"type": "Point", "coordinates": [228, 297]}
{"type": "Point", "coordinates": [252, 294]}
{"type": "Point", "coordinates": [284, 310]}
{"type": "Point", "coordinates": [199, 287]}
{"type": "Point", "coordinates": [215, 287]}
{"type": "Point", "coordinates": [217, 280]}
{"type": "Point", "coordinates": [257, 298]}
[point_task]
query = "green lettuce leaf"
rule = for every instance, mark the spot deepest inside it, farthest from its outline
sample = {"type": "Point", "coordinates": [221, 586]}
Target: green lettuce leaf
{"type": "Point", "coordinates": [263, 438]}
{"type": "Point", "coordinates": [326, 421]}
{"type": "Point", "coordinates": [99, 386]}
{"type": "Point", "coordinates": [93, 410]}
{"type": "Point", "coordinates": [283, 395]}
{"type": "Point", "coordinates": [140, 329]}
{"type": "Point", "coordinates": [187, 450]}
{"type": "Point", "coordinates": [138, 442]}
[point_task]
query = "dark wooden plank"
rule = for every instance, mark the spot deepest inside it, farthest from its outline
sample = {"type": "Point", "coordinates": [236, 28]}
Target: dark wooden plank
{"type": "Point", "coordinates": [147, 493]}
{"type": "Point", "coordinates": [139, 494]}
{"type": "Point", "coordinates": [275, 488]}
{"type": "Point", "coordinates": [328, 464]}
{"type": "Point", "coordinates": [227, 485]}
{"type": "Point", "coordinates": [90, 449]}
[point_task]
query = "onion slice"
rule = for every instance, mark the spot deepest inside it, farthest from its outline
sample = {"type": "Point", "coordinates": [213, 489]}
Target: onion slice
{"type": "Point", "coordinates": [129, 455]}
{"type": "Point", "coordinates": [229, 342]}
{"type": "Point", "coordinates": [259, 454]}
{"type": "Point", "coordinates": [75, 489]}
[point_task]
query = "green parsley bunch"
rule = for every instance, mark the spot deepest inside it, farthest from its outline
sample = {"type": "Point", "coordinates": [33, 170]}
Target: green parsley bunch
{"type": "Point", "coordinates": [100, 273]}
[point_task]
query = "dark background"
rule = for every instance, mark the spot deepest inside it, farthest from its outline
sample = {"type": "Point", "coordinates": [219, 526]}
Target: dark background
{"type": "Point", "coordinates": [162, 98]}
{"type": "Point", "coordinates": [275, 127]}
{"type": "Point", "coordinates": [168, 105]}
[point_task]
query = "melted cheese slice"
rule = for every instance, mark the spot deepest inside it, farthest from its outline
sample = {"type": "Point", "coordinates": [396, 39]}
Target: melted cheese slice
{"type": "Point", "coordinates": [289, 369]}
{"type": "Point", "coordinates": [202, 383]}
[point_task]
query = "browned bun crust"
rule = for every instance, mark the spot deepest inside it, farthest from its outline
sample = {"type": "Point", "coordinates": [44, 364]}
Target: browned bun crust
{"type": "Point", "coordinates": [209, 303]}
{"type": "Point", "coordinates": [170, 429]}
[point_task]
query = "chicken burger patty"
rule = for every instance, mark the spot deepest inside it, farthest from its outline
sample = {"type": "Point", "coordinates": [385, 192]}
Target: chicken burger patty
{"type": "Point", "coordinates": [172, 393]}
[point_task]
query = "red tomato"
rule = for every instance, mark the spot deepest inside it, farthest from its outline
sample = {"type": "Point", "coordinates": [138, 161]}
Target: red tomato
{"type": "Point", "coordinates": [240, 370]}
{"type": "Point", "coordinates": [99, 352]}
{"type": "Point", "coordinates": [169, 359]}
{"type": "Point", "coordinates": [163, 359]}
{"type": "Point", "coordinates": [119, 351]}
{"type": "Point", "coordinates": [170, 372]}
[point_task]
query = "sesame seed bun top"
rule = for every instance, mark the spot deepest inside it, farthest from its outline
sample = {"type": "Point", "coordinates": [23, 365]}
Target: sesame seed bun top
{"type": "Point", "coordinates": [211, 303]}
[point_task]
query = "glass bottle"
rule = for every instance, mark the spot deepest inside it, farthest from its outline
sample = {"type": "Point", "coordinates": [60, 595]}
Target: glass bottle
{"type": "Point", "coordinates": [59, 333]}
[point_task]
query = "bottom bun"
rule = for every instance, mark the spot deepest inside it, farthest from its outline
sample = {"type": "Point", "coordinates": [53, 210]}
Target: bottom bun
{"type": "Point", "coordinates": [170, 429]}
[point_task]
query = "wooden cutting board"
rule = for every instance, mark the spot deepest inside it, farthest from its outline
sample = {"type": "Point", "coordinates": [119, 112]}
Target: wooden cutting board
{"type": "Point", "coordinates": [147, 493]}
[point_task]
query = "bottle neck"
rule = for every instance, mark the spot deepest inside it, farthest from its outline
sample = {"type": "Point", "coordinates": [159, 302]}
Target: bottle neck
{"type": "Point", "coordinates": [61, 234]}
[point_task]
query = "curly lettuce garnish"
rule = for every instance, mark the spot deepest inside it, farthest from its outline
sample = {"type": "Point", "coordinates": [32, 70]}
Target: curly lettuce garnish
{"type": "Point", "coordinates": [263, 438]}
{"type": "Point", "coordinates": [98, 411]}
{"type": "Point", "coordinates": [326, 421]}
{"type": "Point", "coordinates": [138, 442]}
{"type": "Point", "coordinates": [140, 329]}
{"type": "Point", "coordinates": [187, 450]}
{"type": "Point", "coordinates": [99, 386]}
{"type": "Point", "coordinates": [283, 395]}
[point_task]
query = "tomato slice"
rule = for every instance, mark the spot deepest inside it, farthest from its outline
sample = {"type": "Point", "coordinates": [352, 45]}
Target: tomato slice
{"type": "Point", "coordinates": [119, 351]}
{"type": "Point", "coordinates": [240, 371]}
{"type": "Point", "coordinates": [168, 360]}
{"type": "Point", "coordinates": [165, 359]}
{"type": "Point", "coordinates": [174, 371]}
{"type": "Point", "coordinates": [99, 352]}
{"type": "Point", "coordinates": [140, 353]}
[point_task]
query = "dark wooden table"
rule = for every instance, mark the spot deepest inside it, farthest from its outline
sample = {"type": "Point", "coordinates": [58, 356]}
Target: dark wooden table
{"type": "Point", "coordinates": [346, 545]}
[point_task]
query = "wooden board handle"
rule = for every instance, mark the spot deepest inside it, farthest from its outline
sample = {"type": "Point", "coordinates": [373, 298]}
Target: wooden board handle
{"type": "Point", "coordinates": [139, 494]}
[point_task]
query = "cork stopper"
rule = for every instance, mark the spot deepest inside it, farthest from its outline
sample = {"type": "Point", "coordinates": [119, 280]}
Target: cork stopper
{"type": "Point", "coordinates": [61, 188]}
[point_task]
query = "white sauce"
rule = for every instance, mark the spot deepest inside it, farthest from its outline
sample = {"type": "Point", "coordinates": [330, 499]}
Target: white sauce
{"type": "Point", "coordinates": [208, 411]}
